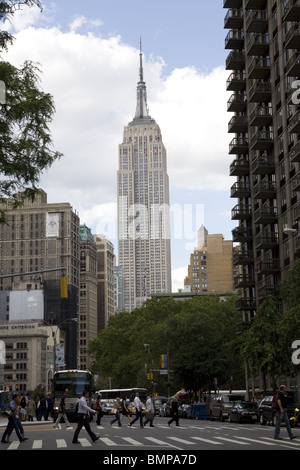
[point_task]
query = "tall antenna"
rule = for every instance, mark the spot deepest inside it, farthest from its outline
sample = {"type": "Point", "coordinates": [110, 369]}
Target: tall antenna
{"type": "Point", "coordinates": [141, 62]}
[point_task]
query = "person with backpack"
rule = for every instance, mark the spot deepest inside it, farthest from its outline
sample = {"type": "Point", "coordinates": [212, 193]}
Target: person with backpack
{"type": "Point", "coordinates": [280, 405]}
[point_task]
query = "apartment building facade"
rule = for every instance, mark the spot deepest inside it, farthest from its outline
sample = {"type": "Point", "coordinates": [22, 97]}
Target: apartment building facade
{"type": "Point", "coordinates": [263, 42]}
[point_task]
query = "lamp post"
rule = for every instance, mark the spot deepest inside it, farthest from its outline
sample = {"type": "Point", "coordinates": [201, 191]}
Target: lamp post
{"type": "Point", "coordinates": [54, 336]}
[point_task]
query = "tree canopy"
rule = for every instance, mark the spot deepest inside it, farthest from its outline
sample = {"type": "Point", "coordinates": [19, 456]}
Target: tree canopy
{"type": "Point", "coordinates": [26, 142]}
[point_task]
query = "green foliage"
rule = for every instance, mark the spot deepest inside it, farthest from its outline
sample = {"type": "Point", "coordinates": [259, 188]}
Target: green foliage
{"type": "Point", "coordinates": [196, 333]}
{"type": "Point", "coordinates": [26, 143]}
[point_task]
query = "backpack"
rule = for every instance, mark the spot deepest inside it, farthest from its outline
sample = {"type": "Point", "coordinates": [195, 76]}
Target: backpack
{"type": "Point", "coordinates": [275, 402]}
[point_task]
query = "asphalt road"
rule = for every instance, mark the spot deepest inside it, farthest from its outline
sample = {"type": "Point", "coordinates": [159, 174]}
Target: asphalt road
{"type": "Point", "coordinates": [188, 439]}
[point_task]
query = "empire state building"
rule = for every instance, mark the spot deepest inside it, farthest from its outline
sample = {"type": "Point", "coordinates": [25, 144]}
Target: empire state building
{"type": "Point", "coordinates": [143, 206]}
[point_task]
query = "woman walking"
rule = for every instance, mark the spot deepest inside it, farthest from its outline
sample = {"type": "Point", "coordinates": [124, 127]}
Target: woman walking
{"type": "Point", "coordinates": [62, 414]}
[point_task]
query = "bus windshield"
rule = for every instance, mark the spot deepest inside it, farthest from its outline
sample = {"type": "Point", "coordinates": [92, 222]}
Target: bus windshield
{"type": "Point", "coordinates": [72, 383]}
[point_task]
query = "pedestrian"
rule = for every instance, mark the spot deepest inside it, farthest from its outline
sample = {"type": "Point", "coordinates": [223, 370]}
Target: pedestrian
{"type": "Point", "coordinates": [117, 408]}
{"type": "Point", "coordinates": [83, 419]}
{"type": "Point", "coordinates": [138, 405]}
{"type": "Point", "coordinates": [98, 408]}
{"type": "Point", "coordinates": [12, 423]}
{"type": "Point", "coordinates": [125, 411]}
{"type": "Point", "coordinates": [282, 414]}
{"type": "Point", "coordinates": [174, 411]}
{"type": "Point", "coordinates": [62, 414]}
{"type": "Point", "coordinates": [30, 408]}
{"type": "Point", "coordinates": [49, 407]}
{"type": "Point", "coordinates": [22, 403]}
{"type": "Point", "coordinates": [41, 408]}
{"type": "Point", "coordinates": [149, 415]}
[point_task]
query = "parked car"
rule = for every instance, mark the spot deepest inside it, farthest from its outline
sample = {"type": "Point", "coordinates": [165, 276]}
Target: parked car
{"type": "Point", "coordinates": [221, 404]}
{"type": "Point", "coordinates": [266, 412]}
{"type": "Point", "coordinates": [107, 406]}
{"type": "Point", "coordinates": [158, 403]}
{"type": "Point", "coordinates": [244, 411]}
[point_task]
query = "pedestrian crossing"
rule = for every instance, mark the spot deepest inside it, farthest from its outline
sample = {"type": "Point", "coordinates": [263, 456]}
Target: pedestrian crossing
{"type": "Point", "coordinates": [203, 437]}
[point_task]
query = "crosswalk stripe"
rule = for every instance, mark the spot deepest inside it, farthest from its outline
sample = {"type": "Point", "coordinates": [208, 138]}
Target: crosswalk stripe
{"type": "Point", "coordinates": [37, 444]}
{"type": "Point", "coordinates": [108, 441]}
{"type": "Point", "coordinates": [84, 442]}
{"type": "Point", "coordinates": [255, 440]}
{"type": "Point", "coordinates": [61, 443]}
{"type": "Point", "coordinates": [157, 441]}
{"type": "Point", "coordinates": [14, 445]}
{"type": "Point", "coordinates": [183, 441]}
{"type": "Point", "coordinates": [132, 441]}
{"type": "Point", "coordinates": [209, 441]}
{"type": "Point", "coordinates": [232, 440]}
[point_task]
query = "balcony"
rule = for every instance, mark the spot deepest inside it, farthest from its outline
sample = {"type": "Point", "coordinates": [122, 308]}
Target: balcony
{"type": "Point", "coordinates": [265, 215]}
{"type": "Point", "coordinates": [240, 189]}
{"type": "Point", "coordinates": [255, 4]}
{"type": "Point", "coordinates": [232, 3]}
{"type": "Point", "coordinates": [292, 38]}
{"type": "Point", "coordinates": [239, 145]}
{"type": "Point", "coordinates": [242, 257]}
{"type": "Point", "coordinates": [295, 183]}
{"type": "Point", "coordinates": [294, 126]}
{"type": "Point", "coordinates": [235, 60]}
{"type": "Point", "coordinates": [237, 103]}
{"type": "Point", "coordinates": [267, 287]}
{"type": "Point", "coordinates": [259, 67]}
{"type": "Point", "coordinates": [268, 266]}
{"type": "Point", "coordinates": [236, 81]}
{"type": "Point", "coordinates": [263, 165]}
{"type": "Point", "coordinates": [295, 153]}
{"type": "Point", "coordinates": [264, 190]}
{"type": "Point", "coordinates": [244, 280]}
{"type": "Point", "coordinates": [243, 304]}
{"type": "Point", "coordinates": [241, 234]}
{"type": "Point", "coordinates": [234, 39]}
{"type": "Point", "coordinates": [262, 140]}
{"type": "Point", "coordinates": [266, 240]}
{"type": "Point", "coordinates": [260, 92]}
{"type": "Point", "coordinates": [293, 65]}
{"type": "Point", "coordinates": [239, 167]}
{"type": "Point", "coordinates": [241, 212]}
{"type": "Point", "coordinates": [261, 116]}
{"type": "Point", "coordinates": [258, 44]}
{"type": "Point", "coordinates": [257, 21]}
{"type": "Point", "coordinates": [238, 124]}
{"type": "Point", "coordinates": [291, 11]}
{"type": "Point", "coordinates": [233, 19]}
{"type": "Point", "coordinates": [296, 213]}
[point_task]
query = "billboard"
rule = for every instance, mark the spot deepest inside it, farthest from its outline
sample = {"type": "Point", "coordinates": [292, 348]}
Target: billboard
{"type": "Point", "coordinates": [26, 305]}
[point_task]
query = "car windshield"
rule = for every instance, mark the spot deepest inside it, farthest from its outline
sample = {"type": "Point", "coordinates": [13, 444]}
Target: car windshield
{"type": "Point", "coordinates": [232, 398]}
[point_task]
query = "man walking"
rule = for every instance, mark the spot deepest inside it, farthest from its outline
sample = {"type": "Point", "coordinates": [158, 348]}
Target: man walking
{"type": "Point", "coordinates": [282, 414]}
{"type": "Point", "coordinates": [138, 411]}
{"type": "Point", "coordinates": [83, 419]}
{"type": "Point", "coordinates": [174, 411]}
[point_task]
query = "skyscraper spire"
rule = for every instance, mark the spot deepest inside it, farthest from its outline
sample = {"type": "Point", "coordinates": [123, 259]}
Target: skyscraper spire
{"type": "Point", "coordinates": [141, 106]}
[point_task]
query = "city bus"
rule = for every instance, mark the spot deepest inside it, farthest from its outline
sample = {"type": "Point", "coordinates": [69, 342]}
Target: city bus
{"type": "Point", "coordinates": [123, 393]}
{"type": "Point", "coordinates": [70, 385]}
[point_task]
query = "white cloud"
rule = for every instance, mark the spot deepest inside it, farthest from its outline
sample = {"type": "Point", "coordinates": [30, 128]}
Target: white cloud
{"type": "Point", "coordinates": [93, 82]}
{"type": "Point", "coordinates": [178, 276]}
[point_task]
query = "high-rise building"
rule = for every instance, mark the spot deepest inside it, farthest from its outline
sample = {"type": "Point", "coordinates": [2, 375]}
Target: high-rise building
{"type": "Point", "coordinates": [210, 267]}
{"type": "Point", "coordinates": [105, 280]}
{"type": "Point", "coordinates": [264, 60]}
{"type": "Point", "coordinates": [143, 206]}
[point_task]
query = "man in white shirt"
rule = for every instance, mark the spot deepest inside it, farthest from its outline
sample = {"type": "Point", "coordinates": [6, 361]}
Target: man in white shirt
{"type": "Point", "coordinates": [83, 419]}
{"type": "Point", "coordinates": [138, 411]}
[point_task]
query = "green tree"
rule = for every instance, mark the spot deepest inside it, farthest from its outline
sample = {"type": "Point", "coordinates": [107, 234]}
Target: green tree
{"type": "Point", "coordinates": [26, 143]}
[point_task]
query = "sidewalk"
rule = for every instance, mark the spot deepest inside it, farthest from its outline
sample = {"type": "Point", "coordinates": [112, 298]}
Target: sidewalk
{"type": "Point", "coordinates": [3, 422]}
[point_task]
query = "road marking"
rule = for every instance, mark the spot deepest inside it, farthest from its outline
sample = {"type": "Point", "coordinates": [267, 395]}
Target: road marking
{"type": "Point", "coordinates": [183, 441]}
{"type": "Point", "coordinates": [158, 441]}
{"type": "Point", "coordinates": [207, 440]}
{"type": "Point", "coordinates": [84, 442]}
{"type": "Point", "coordinates": [108, 442]}
{"type": "Point", "coordinates": [37, 444]}
{"type": "Point", "coordinates": [232, 440]}
{"type": "Point", "coordinates": [132, 441]}
{"type": "Point", "coordinates": [14, 445]}
{"type": "Point", "coordinates": [255, 440]}
{"type": "Point", "coordinates": [61, 443]}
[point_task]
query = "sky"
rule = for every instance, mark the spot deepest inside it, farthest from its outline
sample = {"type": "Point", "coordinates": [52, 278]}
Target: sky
{"type": "Point", "coordinates": [89, 57]}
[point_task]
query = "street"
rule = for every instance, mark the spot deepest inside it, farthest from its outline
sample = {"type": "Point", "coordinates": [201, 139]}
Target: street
{"type": "Point", "coordinates": [190, 437]}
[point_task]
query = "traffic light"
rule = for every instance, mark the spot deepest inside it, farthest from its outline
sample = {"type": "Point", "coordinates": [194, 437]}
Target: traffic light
{"type": "Point", "coordinates": [150, 376]}
{"type": "Point", "coordinates": [63, 287]}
